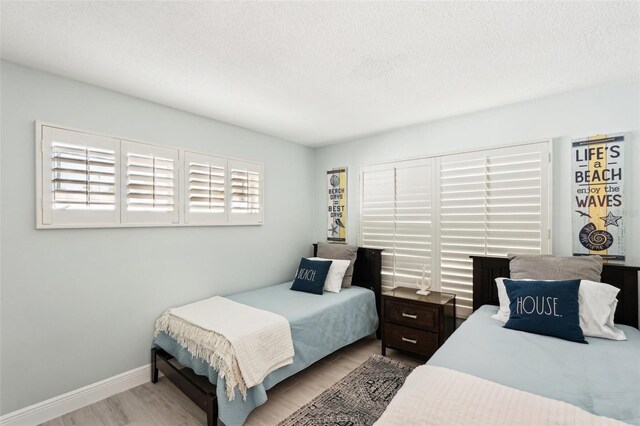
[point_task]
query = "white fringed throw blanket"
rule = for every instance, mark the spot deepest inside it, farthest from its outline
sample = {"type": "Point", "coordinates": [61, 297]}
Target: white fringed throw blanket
{"type": "Point", "coordinates": [440, 396]}
{"type": "Point", "coordinates": [242, 343]}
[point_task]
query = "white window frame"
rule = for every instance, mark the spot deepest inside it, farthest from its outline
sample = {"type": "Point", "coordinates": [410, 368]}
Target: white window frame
{"type": "Point", "coordinates": [120, 218]}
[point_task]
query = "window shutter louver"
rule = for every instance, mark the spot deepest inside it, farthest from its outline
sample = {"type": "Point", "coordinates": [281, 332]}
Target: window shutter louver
{"type": "Point", "coordinates": [462, 225]}
{"type": "Point", "coordinates": [377, 217]}
{"type": "Point", "coordinates": [80, 171]}
{"type": "Point", "coordinates": [245, 192]}
{"type": "Point", "coordinates": [150, 180]}
{"type": "Point", "coordinates": [412, 249]}
{"type": "Point", "coordinates": [514, 203]}
{"type": "Point", "coordinates": [492, 204]}
{"type": "Point", "coordinates": [396, 216]}
{"type": "Point", "coordinates": [83, 177]}
{"type": "Point", "coordinates": [205, 188]}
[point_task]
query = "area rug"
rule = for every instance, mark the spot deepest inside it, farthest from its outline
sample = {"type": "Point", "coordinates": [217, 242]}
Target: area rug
{"type": "Point", "coordinates": [358, 399]}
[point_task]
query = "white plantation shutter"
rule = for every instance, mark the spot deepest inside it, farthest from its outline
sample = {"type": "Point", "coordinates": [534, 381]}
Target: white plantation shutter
{"type": "Point", "coordinates": [412, 249]}
{"type": "Point", "coordinates": [83, 177]}
{"type": "Point", "coordinates": [377, 215]}
{"type": "Point", "coordinates": [205, 188]}
{"type": "Point", "coordinates": [462, 224]}
{"type": "Point", "coordinates": [245, 189]}
{"type": "Point", "coordinates": [79, 178]}
{"type": "Point", "coordinates": [85, 180]}
{"type": "Point", "coordinates": [489, 202]}
{"type": "Point", "coordinates": [492, 202]}
{"type": "Point", "coordinates": [396, 216]}
{"type": "Point", "coordinates": [517, 211]}
{"type": "Point", "coordinates": [150, 182]}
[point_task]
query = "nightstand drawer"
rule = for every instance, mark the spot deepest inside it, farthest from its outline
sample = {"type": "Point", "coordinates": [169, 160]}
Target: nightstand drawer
{"type": "Point", "coordinates": [411, 340]}
{"type": "Point", "coordinates": [411, 315]}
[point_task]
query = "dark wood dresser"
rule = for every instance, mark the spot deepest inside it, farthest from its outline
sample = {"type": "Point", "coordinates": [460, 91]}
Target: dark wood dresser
{"type": "Point", "coordinates": [414, 323]}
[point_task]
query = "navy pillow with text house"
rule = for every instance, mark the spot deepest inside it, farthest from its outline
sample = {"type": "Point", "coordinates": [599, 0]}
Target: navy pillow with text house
{"type": "Point", "coordinates": [549, 308]}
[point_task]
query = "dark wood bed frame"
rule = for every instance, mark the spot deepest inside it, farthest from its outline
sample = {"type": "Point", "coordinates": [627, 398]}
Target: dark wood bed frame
{"type": "Point", "coordinates": [366, 273]}
{"type": "Point", "coordinates": [487, 269]}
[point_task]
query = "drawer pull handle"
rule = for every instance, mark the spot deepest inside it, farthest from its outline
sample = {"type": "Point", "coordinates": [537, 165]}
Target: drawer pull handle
{"type": "Point", "coordinates": [404, 339]}
{"type": "Point", "coordinates": [412, 316]}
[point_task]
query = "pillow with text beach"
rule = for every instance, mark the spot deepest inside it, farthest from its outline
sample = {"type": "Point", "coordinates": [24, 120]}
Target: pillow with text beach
{"type": "Point", "coordinates": [311, 275]}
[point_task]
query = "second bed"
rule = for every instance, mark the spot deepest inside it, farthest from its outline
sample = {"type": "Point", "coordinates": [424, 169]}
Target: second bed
{"type": "Point", "coordinates": [488, 374]}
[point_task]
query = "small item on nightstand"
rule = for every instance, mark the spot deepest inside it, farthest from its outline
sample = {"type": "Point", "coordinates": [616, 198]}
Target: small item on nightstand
{"type": "Point", "coordinates": [424, 283]}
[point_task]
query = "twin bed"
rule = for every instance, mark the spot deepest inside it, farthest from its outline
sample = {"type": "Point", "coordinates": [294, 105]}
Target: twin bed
{"type": "Point", "coordinates": [503, 371]}
{"type": "Point", "coordinates": [602, 378]}
{"type": "Point", "coordinates": [320, 325]}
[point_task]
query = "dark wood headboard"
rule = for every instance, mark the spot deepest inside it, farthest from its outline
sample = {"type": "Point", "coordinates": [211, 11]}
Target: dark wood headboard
{"type": "Point", "coordinates": [367, 272]}
{"type": "Point", "coordinates": [487, 269]}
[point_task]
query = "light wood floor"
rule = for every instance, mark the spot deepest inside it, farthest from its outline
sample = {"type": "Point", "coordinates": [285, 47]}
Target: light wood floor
{"type": "Point", "coordinates": [164, 404]}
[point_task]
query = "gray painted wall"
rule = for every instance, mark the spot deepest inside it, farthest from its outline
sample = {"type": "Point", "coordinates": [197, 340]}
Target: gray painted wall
{"type": "Point", "coordinates": [564, 117]}
{"type": "Point", "coordinates": [79, 305]}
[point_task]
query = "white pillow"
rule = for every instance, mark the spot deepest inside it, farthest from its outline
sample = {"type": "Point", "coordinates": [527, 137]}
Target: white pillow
{"type": "Point", "coordinates": [597, 308]}
{"type": "Point", "coordinates": [338, 267]}
{"type": "Point", "coordinates": [597, 304]}
{"type": "Point", "coordinates": [503, 298]}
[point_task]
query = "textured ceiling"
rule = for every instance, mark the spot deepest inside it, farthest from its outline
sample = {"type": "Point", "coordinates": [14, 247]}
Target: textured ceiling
{"type": "Point", "coordinates": [321, 72]}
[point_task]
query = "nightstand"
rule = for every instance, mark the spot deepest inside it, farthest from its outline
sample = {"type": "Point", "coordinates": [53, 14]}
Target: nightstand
{"type": "Point", "coordinates": [414, 323]}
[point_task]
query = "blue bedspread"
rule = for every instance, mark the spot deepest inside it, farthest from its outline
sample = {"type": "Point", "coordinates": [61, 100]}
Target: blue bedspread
{"type": "Point", "coordinates": [320, 325]}
{"type": "Point", "coordinates": [602, 377]}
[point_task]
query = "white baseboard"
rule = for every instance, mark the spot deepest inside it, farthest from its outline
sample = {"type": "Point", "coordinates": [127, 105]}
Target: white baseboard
{"type": "Point", "coordinates": [71, 401]}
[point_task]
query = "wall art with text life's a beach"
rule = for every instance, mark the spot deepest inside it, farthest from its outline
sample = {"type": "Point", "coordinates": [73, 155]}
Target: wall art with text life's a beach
{"type": "Point", "coordinates": [598, 196]}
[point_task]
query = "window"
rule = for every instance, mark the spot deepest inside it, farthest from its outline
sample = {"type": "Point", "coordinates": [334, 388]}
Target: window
{"type": "Point", "coordinates": [492, 203]}
{"type": "Point", "coordinates": [150, 180]}
{"type": "Point", "coordinates": [245, 192]}
{"type": "Point", "coordinates": [488, 202]}
{"type": "Point", "coordinates": [79, 172]}
{"type": "Point", "coordinates": [86, 180]}
{"type": "Point", "coordinates": [205, 188]}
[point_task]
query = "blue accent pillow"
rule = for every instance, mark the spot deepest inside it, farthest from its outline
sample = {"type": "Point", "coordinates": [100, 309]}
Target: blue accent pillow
{"type": "Point", "coordinates": [543, 307]}
{"type": "Point", "coordinates": [311, 275]}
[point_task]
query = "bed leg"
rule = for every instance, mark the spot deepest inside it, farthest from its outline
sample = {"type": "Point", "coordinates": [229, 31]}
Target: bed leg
{"type": "Point", "coordinates": [212, 410]}
{"type": "Point", "coordinates": [154, 366]}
